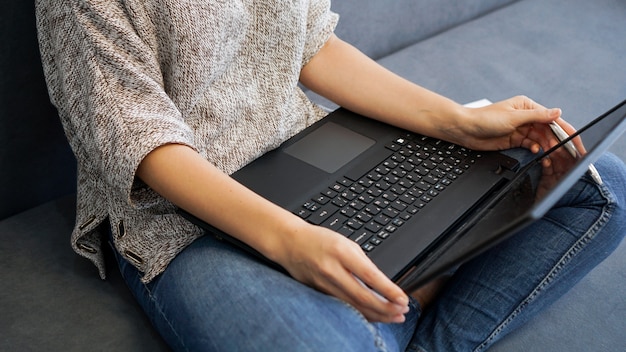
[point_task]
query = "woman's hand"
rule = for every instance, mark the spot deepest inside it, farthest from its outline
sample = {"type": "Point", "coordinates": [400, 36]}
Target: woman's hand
{"type": "Point", "coordinates": [511, 123]}
{"type": "Point", "coordinates": [337, 266]}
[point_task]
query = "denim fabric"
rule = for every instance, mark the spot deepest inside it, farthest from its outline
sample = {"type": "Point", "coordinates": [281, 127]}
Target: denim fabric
{"type": "Point", "coordinates": [214, 297]}
{"type": "Point", "coordinates": [505, 287]}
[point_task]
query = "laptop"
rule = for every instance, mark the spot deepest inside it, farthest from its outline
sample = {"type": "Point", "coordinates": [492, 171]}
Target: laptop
{"type": "Point", "coordinates": [417, 206]}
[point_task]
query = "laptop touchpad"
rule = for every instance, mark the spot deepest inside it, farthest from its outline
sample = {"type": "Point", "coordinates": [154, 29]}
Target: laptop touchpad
{"type": "Point", "coordinates": [330, 147]}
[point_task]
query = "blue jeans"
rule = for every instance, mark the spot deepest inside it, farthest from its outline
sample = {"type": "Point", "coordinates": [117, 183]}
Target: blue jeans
{"type": "Point", "coordinates": [213, 297]}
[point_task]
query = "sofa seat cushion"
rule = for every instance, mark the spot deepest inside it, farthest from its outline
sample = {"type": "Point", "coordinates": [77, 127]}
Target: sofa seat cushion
{"type": "Point", "coordinates": [53, 300]}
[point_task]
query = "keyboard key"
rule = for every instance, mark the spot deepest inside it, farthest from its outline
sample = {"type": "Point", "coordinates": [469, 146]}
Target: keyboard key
{"type": "Point", "coordinates": [321, 199]}
{"type": "Point", "coordinates": [349, 212]}
{"type": "Point", "coordinates": [397, 222]}
{"type": "Point", "coordinates": [357, 204]}
{"type": "Point", "coordinates": [337, 187]}
{"type": "Point", "coordinates": [335, 222]}
{"type": "Point", "coordinates": [363, 217]}
{"type": "Point", "coordinates": [368, 247]}
{"type": "Point", "coordinates": [423, 185]}
{"type": "Point", "coordinates": [361, 237]}
{"type": "Point", "coordinates": [391, 212]}
{"type": "Point", "coordinates": [376, 241]}
{"type": "Point", "coordinates": [366, 198]}
{"type": "Point", "coordinates": [390, 228]}
{"type": "Point", "coordinates": [330, 193]}
{"type": "Point", "coordinates": [340, 202]}
{"type": "Point", "coordinates": [398, 205]}
{"type": "Point", "coordinates": [303, 213]}
{"type": "Point", "coordinates": [345, 231]}
{"type": "Point", "coordinates": [322, 214]}
{"type": "Point", "coordinates": [382, 219]}
{"type": "Point", "coordinates": [345, 182]}
{"type": "Point", "coordinates": [349, 195]}
{"type": "Point", "coordinates": [353, 224]}
{"type": "Point", "coordinates": [383, 235]}
{"type": "Point", "coordinates": [374, 227]}
{"type": "Point", "coordinates": [372, 210]}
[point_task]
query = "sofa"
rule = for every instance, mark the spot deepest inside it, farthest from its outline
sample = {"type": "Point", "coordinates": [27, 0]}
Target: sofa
{"type": "Point", "coordinates": [563, 53]}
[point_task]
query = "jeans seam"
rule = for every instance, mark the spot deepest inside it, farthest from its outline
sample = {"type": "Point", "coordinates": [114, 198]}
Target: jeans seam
{"type": "Point", "coordinates": [379, 342]}
{"type": "Point", "coordinates": [164, 316]}
{"type": "Point", "coordinates": [578, 246]}
{"type": "Point", "coordinates": [151, 298]}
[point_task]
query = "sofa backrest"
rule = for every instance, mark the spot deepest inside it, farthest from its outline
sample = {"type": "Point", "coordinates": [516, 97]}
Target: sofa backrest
{"type": "Point", "coordinates": [36, 163]}
{"type": "Point", "coordinates": [379, 28]}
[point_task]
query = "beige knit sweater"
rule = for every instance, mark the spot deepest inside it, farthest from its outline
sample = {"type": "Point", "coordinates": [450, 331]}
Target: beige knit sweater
{"type": "Point", "coordinates": [129, 75]}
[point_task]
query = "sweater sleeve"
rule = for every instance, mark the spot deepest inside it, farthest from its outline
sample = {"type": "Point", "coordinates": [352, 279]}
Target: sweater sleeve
{"type": "Point", "coordinates": [105, 80]}
{"type": "Point", "coordinates": [321, 23]}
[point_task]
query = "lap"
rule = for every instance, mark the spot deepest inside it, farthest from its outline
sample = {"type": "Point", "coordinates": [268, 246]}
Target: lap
{"type": "Point", "coordinates": [215, 297]}
{"type": "Point", "coordinates": [507, 285]}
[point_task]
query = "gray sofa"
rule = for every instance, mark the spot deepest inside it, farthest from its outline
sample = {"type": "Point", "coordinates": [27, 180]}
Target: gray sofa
{"type": "Point", "coordinates": [565, 53]}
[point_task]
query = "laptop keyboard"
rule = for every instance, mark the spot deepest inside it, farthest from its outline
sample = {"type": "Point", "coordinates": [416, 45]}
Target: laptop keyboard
{"type": "Point", "coordinates": [368, 208]}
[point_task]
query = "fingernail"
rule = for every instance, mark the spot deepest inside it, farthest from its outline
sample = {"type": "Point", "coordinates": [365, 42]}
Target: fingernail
{"type": "Point", "coordinates": [399, 319]}
{"type": "Point", "coordinates": [403, 300]}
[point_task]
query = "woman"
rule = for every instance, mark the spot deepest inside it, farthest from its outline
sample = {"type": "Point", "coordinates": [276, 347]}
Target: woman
{"type": "Point", "coordinates": [162, 100]}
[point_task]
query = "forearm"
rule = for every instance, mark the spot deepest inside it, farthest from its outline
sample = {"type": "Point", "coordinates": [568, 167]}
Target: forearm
{"type": "Point", "coordinates": [348, 77]}
{"type": "Point", "coordinates": [182, 176]}
{"type": "Point", "coordinates": [330, 263]}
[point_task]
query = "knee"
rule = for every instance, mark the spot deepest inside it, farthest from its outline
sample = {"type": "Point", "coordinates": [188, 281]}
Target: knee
{"type": "Point", "coordinates": [613, 173]}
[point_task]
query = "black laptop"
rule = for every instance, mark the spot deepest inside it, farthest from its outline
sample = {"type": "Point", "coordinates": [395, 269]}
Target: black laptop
{"type": "Point", "coordinates": [417, 206]}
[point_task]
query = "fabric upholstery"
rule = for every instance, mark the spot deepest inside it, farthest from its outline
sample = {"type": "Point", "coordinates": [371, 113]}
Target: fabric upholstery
{"type": "Point", "coordinates": [35, 160]}
{"type": "Point", "coordinates": [53, 300]}
{"type": "Point", "coordinates": [382, 27]}
{"type": "Point", "coordinates": [567, 54]}
{"type": "Point", "coordinates": [562, 53]}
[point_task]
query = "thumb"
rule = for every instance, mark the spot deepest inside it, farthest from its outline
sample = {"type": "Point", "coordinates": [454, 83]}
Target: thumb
{"type": "Point", "coordinates": [539, 115]}
{"type": "Point", "coordinates": [530, 111]}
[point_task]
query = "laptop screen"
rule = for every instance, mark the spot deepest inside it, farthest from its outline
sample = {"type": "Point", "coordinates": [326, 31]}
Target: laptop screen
{"type": "Point", "coordinates": [528, 196]}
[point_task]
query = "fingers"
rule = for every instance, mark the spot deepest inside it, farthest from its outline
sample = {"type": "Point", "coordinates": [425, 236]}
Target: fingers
{"type": "Point", "coordinates": [569, 129]}
{"type": "Point", "coordinates": [542, 116]}
{"type": "Point", "coordinates": [508, 124]}
{"type": "Point", "coordinates": [531, 120]}
{"type": "Point", "coordinates": [339, 267]}
{"type": "Point", "coordinates": [527, 111]}
{"type": "Point", "coordinates": [365, 287]}
{"type": "Point", "coordinates": [386, 299]}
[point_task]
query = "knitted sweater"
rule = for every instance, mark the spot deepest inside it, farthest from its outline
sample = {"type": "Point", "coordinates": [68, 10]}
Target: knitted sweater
{"type": "Point", "coordinates": [128, 76]}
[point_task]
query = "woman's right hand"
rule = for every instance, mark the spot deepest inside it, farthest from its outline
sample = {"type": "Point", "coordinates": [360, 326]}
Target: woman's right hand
{"type": "Point", "coordinates": [335, 265]}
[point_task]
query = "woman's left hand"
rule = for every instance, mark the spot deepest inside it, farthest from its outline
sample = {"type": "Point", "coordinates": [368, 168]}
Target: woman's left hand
{"type": "Point", "coordinates": [511, 123]}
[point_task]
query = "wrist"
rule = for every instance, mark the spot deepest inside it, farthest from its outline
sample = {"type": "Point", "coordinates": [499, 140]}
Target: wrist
{"type": "Point", "coordinates": [450, 123]}
{"type": "Point", "coordinates": [275, 241]}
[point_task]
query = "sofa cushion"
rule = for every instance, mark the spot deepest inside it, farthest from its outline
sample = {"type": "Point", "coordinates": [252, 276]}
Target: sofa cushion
{"type": "Point", "coordinates": [562, 53]}
{"type": "Point", "coordinates": [379, 28]}
{"type": "Point", "coordinates": [36, 161]}
{"type": "Point", "coordinates": [53, 300]}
